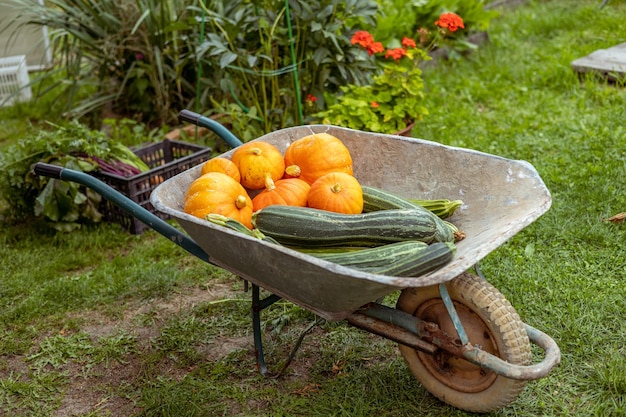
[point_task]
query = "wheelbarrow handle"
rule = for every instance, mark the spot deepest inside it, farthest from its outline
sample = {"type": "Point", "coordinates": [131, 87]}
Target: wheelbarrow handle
{"type": "Point", "coordinates": [125, 203]}
{"type": "Point", "coordinates": [48, 170]}
{"type": "Point", "coordinates": [217, 128]}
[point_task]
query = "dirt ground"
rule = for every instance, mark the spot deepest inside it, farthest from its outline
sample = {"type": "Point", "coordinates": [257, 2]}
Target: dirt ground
{"type": "Point", "coordinates": [94, 389]}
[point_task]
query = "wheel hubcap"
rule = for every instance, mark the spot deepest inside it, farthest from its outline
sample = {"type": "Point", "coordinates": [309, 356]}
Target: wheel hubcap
{"type": "Point", "coordinates": [455, 372]}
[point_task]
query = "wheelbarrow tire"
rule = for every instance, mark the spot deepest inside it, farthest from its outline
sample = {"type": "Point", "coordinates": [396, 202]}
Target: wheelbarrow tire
{"type": "Point", "coordinates": [489, 321]}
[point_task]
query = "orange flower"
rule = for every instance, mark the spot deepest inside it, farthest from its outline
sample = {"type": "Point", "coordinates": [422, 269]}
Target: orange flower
{"type": "Point", "coordinates": [362, 38]}
{"type": "Point", "coordinates": [375, 48]}
{"type": "Point", "coordinates": [450, 21]}
{"type": "Point", "coordinates": [366, 40]}
{"type": "Point", "coordinates": [408, 43]}
{"type": "Point", "coordinates": [374, 104]}
{"type": "Point", "coordinates": [395, 53]}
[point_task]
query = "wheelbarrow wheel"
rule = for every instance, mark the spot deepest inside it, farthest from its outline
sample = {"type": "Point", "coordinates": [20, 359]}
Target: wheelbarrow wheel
{"type": "Point", "coordinates": [490, 322]}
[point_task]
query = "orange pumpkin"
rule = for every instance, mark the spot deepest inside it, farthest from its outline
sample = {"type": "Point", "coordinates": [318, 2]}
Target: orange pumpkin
{"type": "Point", "coordinates": [338, 192]}
{"type": "Point", "coordinates": [223, 165]}
{"type": "Point", "coordinates": [218, 193]}
{"type": "Point", "coordinates": [312, 156]}
{"type": "Point", "coordinates": [254, 160]}
{"type": "Point", "coordinates": [285, 192]}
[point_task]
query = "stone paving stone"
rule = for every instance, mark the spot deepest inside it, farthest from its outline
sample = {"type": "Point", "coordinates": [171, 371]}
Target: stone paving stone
{"type": "Point", "coordinates": [610, 62]}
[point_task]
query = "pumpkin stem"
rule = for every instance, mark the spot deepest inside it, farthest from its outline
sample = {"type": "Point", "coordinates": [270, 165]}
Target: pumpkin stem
{"type": "Point", "coordinates": [293, 171]}
{"type": "Point", "coordinates": [240, 202]}
{"type": "Point", "coordinates": [269, 182]}
{"type": "Point", "coordinates": [255, 151]}
{"type": "Point", "coordinates": [336, 188]}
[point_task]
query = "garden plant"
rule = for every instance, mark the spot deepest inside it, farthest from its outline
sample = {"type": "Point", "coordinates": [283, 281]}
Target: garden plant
{"type": "Point", "coordinates": [251, 63]}
{"type": "Point", "coordinates": [394, 98]}
{"type": "Point", "coordinates": [148, 60]}
{"type": "Point", "coordinates": [98, 322]}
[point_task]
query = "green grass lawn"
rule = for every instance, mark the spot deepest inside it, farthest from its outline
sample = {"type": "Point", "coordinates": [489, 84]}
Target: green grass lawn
{"type": "Point", "coordinates": [102, 323]}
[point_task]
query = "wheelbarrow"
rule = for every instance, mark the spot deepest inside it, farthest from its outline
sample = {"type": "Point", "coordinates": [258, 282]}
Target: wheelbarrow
{"type": "Point", "coordinates": [459, 336]}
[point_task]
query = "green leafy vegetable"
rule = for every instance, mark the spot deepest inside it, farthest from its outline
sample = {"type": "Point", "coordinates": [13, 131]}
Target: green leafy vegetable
{"type": "Point", "coordinates": [64, 205]}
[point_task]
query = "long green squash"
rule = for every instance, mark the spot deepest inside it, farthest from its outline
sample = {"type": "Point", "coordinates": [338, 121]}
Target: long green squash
{"type": "Point", "coordinates": [431, 258]}
{"type": "Point", "coordinates": [373, 257]}
{"type": "Point", "coordinates": [408, 259]}
{"type": "Point", "coordinates": [375, 199]}
{"type": "Point", "coordinates": [307, 227]}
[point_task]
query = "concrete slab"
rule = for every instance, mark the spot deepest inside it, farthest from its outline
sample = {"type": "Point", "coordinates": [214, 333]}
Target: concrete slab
{"type": "Point", "coordinates": [610, 62]}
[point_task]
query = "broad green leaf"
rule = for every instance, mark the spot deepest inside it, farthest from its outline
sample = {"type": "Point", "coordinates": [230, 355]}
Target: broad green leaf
{"type": "Point", "coordinates": [227, 58]}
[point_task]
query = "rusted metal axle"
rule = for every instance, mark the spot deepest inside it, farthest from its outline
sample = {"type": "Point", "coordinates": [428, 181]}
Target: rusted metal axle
{"type": "Point", "coordinates": [411, 331]}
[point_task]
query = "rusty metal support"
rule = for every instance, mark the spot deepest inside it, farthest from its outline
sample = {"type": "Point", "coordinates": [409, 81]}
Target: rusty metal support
{"type": "Point", "coordinates": [409, 330]}
{"type": "Point", "coordinates": [391, 327]}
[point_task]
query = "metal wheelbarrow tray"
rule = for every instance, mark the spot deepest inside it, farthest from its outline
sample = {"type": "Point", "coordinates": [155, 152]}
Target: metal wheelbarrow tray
{"type": "Point", "coordinates": [500, 196]}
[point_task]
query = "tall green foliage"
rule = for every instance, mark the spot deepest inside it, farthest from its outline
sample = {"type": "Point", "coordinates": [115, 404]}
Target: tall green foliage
{"type": "Point", "coordinates": [255, 60]}
{"type": "Point", "coordinates": [141, 57]}
{"type": "Point", "coordinates": [127, 55]}
{"type": "Point", "coordinates": [248, 45]}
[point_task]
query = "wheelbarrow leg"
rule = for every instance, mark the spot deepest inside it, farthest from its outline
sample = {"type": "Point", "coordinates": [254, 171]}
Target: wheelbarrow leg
{"type": "Point", "coordinates": [258, 305]}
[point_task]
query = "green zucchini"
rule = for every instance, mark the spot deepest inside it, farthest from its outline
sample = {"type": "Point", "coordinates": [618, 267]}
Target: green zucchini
{"type": "Point", "coordinates": [411, 258]}
{"type": "Point", "coordinates": [308, 227]}
{"type": "Point", "coordinates": [373, 257]}
{"type": "Point", "coordinates": [375, 199]}
{"type": "Point", "coordinates": [443, 207]}
{"type": "Point", "coordinates": [431, 258]}
{"type": "Point", "coordinates": [329, 251]}
{"type": "Point", "coordinates": [444, 233]}
{"type": "Point", "coordinates": [233, 224]}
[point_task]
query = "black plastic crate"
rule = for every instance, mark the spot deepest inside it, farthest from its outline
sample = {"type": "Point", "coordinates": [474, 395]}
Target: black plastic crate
{"type": "Point", "coordinates": [165, 159]}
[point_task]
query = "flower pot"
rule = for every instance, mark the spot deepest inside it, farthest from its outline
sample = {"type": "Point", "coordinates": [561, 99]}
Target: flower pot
{"type": "Point", "coordinates": [407, 131]}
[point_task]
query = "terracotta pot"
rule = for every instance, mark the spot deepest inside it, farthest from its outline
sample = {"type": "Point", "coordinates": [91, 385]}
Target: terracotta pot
{"type": "Point", "coordinates": [406, 132]}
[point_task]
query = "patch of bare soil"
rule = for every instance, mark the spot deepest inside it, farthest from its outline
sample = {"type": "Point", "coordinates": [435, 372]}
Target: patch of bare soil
{"type": "Point", "coordinates": [108, 388]}
{"type": "Point", "coordinates": [96, 391]}
{"type": "Point", "coordinates": [223, 346]}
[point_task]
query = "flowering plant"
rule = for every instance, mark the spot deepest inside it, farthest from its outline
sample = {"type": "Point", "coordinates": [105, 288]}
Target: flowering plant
{"type": "Point", "coordinates": [393, 100]}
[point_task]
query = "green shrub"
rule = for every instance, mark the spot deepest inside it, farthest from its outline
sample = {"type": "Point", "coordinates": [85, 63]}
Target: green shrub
{"type": "Point", "coordinates": [401, 18]}
{"type": "Point", "coordinates": [63, 205]}
{"type": "Point", "coordinates": [143, 58]}
{"type": "Point", "coordinates": [248, 47]}
{"type": "Point", "coordinates": [130, 57]}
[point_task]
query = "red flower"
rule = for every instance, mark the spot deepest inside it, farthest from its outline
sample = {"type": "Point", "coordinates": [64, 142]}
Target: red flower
{"type": "Point", "coordinates": [450, 21]}
{"type": "Point", "coordinates": [362, 38]}
{"type": "Point", "coordinates": [375, 48]}
{"type": "Point", "coordinates": [374, 104]}
{"type": "Point", "coordinates": [408, 43]}
{"type": "Point", "coordinates": [395, 53]}
{"type": "Point", "coordinates": [310, 100]}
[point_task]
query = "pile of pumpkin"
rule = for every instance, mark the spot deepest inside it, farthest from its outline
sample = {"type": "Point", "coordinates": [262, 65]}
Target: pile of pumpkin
{"type": "Point", "coordinates": [315, 171]}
